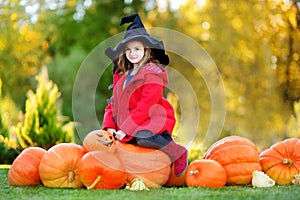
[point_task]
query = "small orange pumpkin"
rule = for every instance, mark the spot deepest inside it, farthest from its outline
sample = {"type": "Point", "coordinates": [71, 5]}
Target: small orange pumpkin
{"type": "Point", "coordinates": [59, 166]}
{"type": "Point", "coordinates": [281, 161]}
{"type": "Point", "coordinates": [205, 173]}
{"type": "Point", "coordinates": [174, 180]}
{"type": "Point", "coordinates": [150, 165]}
{"type": "Point", "coordinates": [25, 168]}
{"type": "Point", "coordinates": [99, 140]}
{"type": "Point", "coordinates": [238, 156]}
{"type": "Point", "coordinates": [101, 170]}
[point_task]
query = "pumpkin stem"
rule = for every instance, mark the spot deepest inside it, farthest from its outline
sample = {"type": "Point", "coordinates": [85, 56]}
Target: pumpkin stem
{"type": "Point", "coordinates": [96, 181]}
{"type": "Point", "coordinates": [195, 172]}
{"type": "Point", "coordinates": [70, 177]}
{"type": "Point", "coordinates": [287, 161]}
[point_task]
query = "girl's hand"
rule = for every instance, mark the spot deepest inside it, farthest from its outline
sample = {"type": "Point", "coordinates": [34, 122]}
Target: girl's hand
{"type": "Point", "coordinates": [111, 130]}
{"type": "Point", "coordinates": [120, 135]}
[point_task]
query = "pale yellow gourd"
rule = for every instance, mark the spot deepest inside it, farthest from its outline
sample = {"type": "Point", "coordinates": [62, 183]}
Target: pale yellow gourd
{"type": "Point", "coordinates": [260, 179]}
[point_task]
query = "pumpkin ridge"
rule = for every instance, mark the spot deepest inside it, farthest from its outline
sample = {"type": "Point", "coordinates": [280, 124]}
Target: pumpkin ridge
{"type": "Point", "coordinates": [296, 154]}
{"type": "Point", "coordinates": [59, 181]}
{"type": "Point", "coordinates": [284, 148]}
{"type": "Point", "coordinates": [62, 160]}
{"type": "Point", "coordinates": [282, 172]}
{"type": "Point", "coordinates": [55, 167]}
{"type": "Point", "coordinates": [269, 167]}
{"type": "Point", "coordinates": [19, 177]}
{"type": "Point", "coordinates": [229, 140]}
{"type": "Point", "coordinates": [288, 149]}
{"type": "Point", "coordinates": [293, 170]}
{"type": "Point", "coordinates": [250, 155]}
{"type": "Point", "coordinates": [296, 167]}
{"type": "Point", "coordinates": [270, 173]}
{"type": "Point", "coordinates": [54, 177]}
{"type": "Point", "coordinates": [252, 162]}
{"type": "Point", "coordinates": [231, 168]}
{"type": "Point", "coordinates": [279, 151]}
{"type": "Point", "coordinates": [270, 155]}
{"type": "Point", "coordinates": [33, 156]}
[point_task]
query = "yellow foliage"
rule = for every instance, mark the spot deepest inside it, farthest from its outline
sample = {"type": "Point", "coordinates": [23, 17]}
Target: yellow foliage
{"type": "Point", "coordinates": [71, 3]}
{"type": "Point", "coordinates": [237, 23]}
{"type": "Point", "coordinates": [293, 127]}
{"type": "Point", "coordinates": [13, 16]}
{"type": "Point", "coordinates": [8, 141]}
{"type": "Point", "coordinates": [23, 28]}
{"type": "Point", "coordinates": [2, 45]}
{"type": "Point", "coordinates": [293, 19]}
{"type": "Point", "coordinates": [294, 71]}
{"type": "Point", "coordinates": [196, 152]}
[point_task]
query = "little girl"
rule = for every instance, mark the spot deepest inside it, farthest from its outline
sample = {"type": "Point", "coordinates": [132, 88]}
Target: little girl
{"type": "Point", "coordinates": [138, 113]}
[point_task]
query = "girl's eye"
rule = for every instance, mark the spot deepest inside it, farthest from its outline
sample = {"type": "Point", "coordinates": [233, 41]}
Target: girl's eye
{"type": "Point", "coordinates": [134, 50]}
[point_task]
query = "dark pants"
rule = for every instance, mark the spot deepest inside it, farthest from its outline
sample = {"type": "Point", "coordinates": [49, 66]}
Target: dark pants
{"type": "Point", "coordinates": [148, 139]}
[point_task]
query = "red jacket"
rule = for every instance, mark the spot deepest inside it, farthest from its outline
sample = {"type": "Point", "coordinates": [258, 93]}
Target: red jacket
{"type": "Point", "coordinates": [140, 105]}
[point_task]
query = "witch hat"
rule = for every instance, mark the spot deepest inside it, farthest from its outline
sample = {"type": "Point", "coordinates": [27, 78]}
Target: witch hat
{"type": "Point", "coordinates": [137, 31]}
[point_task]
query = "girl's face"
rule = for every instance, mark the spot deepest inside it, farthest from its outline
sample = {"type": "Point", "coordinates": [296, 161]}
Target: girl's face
{"type": "Point", "coordinates": [134, 51]}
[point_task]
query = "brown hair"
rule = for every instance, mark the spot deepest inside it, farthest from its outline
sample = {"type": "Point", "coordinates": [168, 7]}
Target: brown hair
{"type": "Point", "coordinates": [124, 64]}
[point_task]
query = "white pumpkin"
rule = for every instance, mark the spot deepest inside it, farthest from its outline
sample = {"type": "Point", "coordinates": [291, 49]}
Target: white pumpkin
{"type": "Point", "coordinates": [260, 179]}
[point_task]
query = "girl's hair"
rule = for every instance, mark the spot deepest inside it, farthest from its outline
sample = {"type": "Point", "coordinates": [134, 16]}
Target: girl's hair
{"type": "Point", "coordinates": [124, 64]}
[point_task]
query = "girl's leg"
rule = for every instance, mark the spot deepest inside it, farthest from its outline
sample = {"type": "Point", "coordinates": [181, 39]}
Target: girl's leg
{"type": "Point", "coordinates": [164, 142]}
{"type": "Point", "coordinates": [148, 139]}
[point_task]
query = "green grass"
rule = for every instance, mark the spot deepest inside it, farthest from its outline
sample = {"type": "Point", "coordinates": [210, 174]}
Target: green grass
{"type": "Point", "coordinates": [8, 192]}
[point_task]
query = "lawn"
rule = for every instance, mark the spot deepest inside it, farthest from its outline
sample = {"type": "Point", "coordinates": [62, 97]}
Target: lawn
{"type": "Point", "coordinates": [8, 192]}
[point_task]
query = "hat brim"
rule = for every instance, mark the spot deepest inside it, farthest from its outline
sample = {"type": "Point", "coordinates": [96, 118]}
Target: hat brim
{"type": "Point", "coordinates": [156, 46]}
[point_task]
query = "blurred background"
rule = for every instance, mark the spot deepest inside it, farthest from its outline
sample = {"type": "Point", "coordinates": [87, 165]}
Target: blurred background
{"type": "Point", "coordinates": [254, 43]}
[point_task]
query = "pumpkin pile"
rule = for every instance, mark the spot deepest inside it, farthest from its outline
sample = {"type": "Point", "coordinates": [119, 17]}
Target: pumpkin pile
{"type": "Point", "coordinates": [239, 157]}
{"type": "Point", "coordinates": [103, 163]}
{"type": "Point", "coordinates": [100, 163]}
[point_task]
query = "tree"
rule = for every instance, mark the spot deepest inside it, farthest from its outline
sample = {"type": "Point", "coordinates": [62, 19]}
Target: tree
{"type": "Point", "coordinates": [100, 21]}
{"type": "Point", "coordinates": [22, 50]}
{"type": "Point", "coordinates": [252, 45]}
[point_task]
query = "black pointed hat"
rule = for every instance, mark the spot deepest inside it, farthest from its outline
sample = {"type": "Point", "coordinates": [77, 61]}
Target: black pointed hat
{"type": "Point", "coordinates": [137, 31]}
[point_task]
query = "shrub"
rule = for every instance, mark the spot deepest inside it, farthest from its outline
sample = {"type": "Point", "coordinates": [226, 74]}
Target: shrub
{"type": "Point", "coordinates": [43, 124]}
{"type": "Point", "coordinates": [7, 153]}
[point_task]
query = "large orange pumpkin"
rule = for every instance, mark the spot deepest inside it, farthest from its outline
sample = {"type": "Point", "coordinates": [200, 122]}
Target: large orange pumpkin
{"type": "Point", "coordinates": [174, 180]}
{"type": "Point", "coordinates": [150, 165]}
{"type": "Point", "coordinates": [281, 161]}
{"type": "Point", "coordinates": [59, 166]}
{"type": "Point", "coordinates": [205, 173]}
{"type": "Point", "coordinates": [238, 156]}
{"type": "Point", "coordinates": [25, 168]}
{"type": "Point", "coordinates": [99, 140]}
{"type": "Point", "coordinates": [101, 170]}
